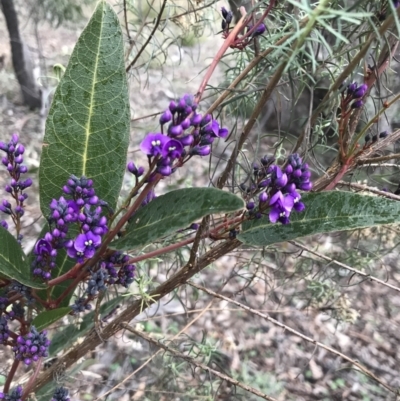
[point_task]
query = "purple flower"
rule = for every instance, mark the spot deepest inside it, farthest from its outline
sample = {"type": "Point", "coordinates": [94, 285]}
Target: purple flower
{"type": "Point", "coordinates": [297, 205]}
{"type": "Point", "coordinates": [263, 197]}
{"type": "Point", "coordinates": [153, 143]}
{"type": "Point", "coordinates": [137, 172]}
{"type": "Point", "coordinates": [186, 140]}
{"type": "Point", "coordinates": [43, 247]}
{"type": "Point", "coordinates": [223, 132]}
{"type": "Point", "coordinates": [166, 117]}
{"type": "Point", "coordinates": [351, 88]}
{"type": "Point", "coordinates": [200, 151]}
{"type": "Point", "coordinates": [259, 30]}
{"type": "Point", "coordinates": [84, 246]}
{"type": "Point", "coordinates": [175, 130]}
{"type": "Point", "coordinates": [196, 119]}
{"type": "Point", "coordinates": [280, 208]}
{"type": "Point", "coordinates": [360, 91]}
{"type": "Point", "coordinates": [279, 178]}
{"type": "Point", "coordinates": [172, 149]}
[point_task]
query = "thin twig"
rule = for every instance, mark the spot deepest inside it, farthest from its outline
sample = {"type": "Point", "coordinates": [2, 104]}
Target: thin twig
{"type": "Point", "coordinates": [379, 159]}
{"type": "Point", "coordinates": [347, 267]}
{"type": "Point", "coordinates": [145, 363]}
{"type": "Point", "coordinates": [149, 38]}
{"type": "Point", "coordinates": [298, 334]}
{"type": "Point", "coordinates": [126, 23]}
{"type": "Point", "coordinates": [366, 188]}
{"type": "Point", "coordinates": [198, 364]}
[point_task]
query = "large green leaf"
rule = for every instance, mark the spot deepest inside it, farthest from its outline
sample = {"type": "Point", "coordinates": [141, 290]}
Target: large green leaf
{"type": "Point", "coordinates": [87, 129]}
{"type": "Point", "coordinates": [64, 338]}
{"type": "Point", "coordinates": [325, 212]}
{"type": "Point", "coordinates": [173, 211]}
{"type": "Point", "coordinates": [13, 262]}
{"type": "Point", "coordinates": [48, 317]}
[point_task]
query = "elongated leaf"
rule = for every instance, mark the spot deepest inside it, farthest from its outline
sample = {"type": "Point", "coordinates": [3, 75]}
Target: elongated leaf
{"type": "Point", "coordinates": [48, 317]}
{"type": "Point", "coordinates": [87, 128]}
{"type": "Point", "coordinates": [66, 337]}
{"type": "Point", "coordinates": [13, 262]}
{"type": "Point", "coordinates": [172, 211]}
{"type": "Point", "coordinates": [325, 212]}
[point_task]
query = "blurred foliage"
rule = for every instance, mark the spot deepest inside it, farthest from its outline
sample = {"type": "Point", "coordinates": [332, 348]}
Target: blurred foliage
{"type": "Point", "coordinates": [56, 12]}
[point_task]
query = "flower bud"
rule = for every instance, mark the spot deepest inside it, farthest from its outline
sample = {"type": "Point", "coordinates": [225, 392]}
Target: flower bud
{"type": "Point", "coordinates": [360, 91]}
{"type": "Point", "coordinates": [166, 117]}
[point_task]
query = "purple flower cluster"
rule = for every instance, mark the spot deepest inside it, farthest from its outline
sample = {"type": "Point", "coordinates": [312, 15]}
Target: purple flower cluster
{"type": "Point", "coordinates": [277, 189]}
{"type": "Point", "coordinates": [354, 93]}
{"type": "Point", "coordinates": [60, 394]}
{"type": "Point", "coordinates": [31, 347]}
{"type": "Point", "coordinates": [176, 143]}
{"type": "Point", "coordinates": [15, 395]}
{"type": "Point", "coordinates": [13, 162]}
{"type": "Point", "coordinates": [83, 208]}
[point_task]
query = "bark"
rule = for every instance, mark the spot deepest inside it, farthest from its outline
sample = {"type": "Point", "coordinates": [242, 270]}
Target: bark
{"type": "Point", "coordinates": [30, 92]}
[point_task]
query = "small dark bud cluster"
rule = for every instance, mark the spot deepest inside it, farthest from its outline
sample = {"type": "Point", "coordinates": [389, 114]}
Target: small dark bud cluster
{"type": "Point", "coordinates": [60, 394]}
{"type": "Point", "coordinates": [115, 269]}
{"type": "Point", "coordinates": [227, 17]}
{"type": "Point", "coordinates": [374, 138]}
{"type": "Point", "coordinates": [14, 395]}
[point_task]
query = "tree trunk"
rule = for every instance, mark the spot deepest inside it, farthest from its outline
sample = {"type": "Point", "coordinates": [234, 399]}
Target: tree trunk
{"type": "Point", "coordinates": [30, 92]}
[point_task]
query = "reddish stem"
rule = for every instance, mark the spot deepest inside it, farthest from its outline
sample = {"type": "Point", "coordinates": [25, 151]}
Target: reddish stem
{"type": "Point", "coordinates": [339, 176]}
{"type": "Point", "coordinates": [187, 241]}
{"type": "Point", "coordinates": [32, 380]}
{"type": "Point", "coordinates": [225, 46]}
{"type": "Point", "coordinates": [10, 376]}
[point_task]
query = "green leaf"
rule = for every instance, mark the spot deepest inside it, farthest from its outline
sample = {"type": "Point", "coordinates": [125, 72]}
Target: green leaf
{"type": "Point", "coordinates": [87, 129]}
{"type": "Point", "coordinates": [63, 339]}
{"type": "Point", "coordinates": [172, 211]}
{"type": "Point", "coordinates": [13, 262]}
{"type": "Point", "coordinates": [48, 317]}
{"type": "Point", "coordinates": [325, 212]}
